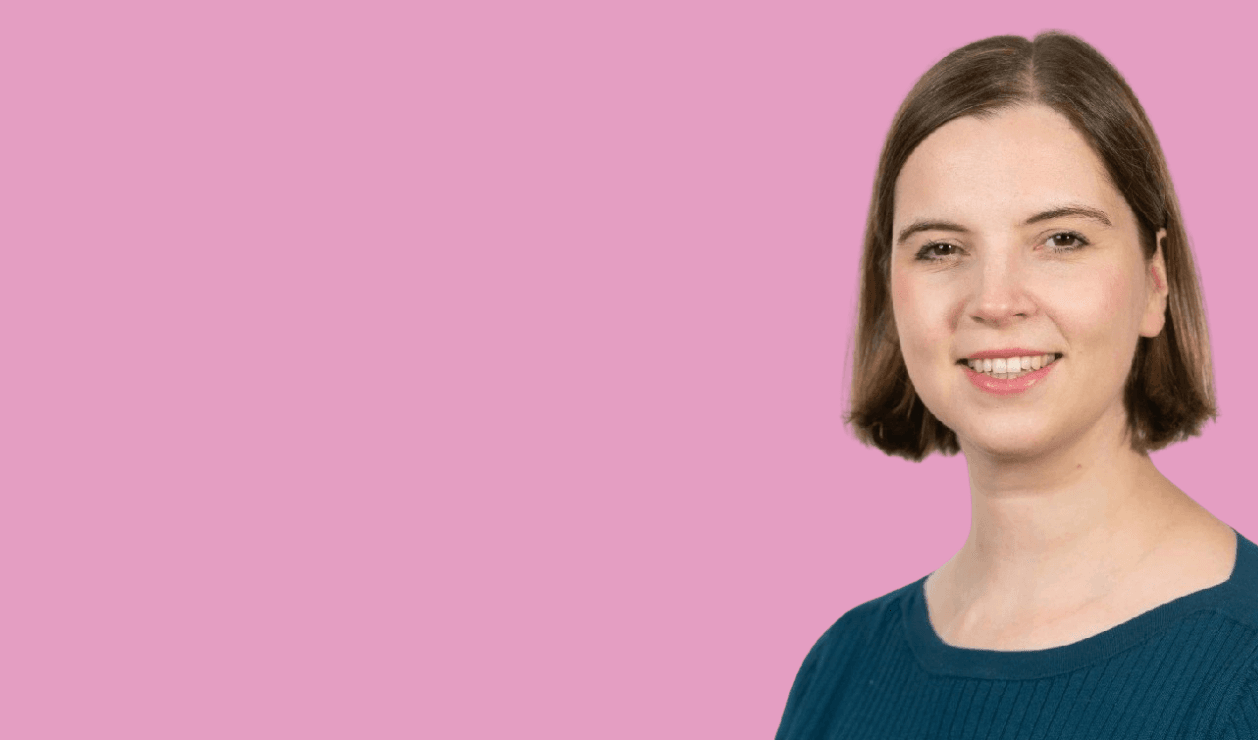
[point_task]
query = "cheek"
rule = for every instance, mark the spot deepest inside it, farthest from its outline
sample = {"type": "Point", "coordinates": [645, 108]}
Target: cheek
{"type": "Point", "coordinates": [921, 310]}
{"type": "Point", "coordinates": [904, 309]}
{"type": "Point", "coordinates": [1098, 312]}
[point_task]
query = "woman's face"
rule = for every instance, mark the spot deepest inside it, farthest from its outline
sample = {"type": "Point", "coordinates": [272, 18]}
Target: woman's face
{"type": "Point", "coordinates": [1010, 242]}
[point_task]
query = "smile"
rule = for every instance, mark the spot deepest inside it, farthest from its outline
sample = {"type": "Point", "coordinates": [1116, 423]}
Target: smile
{"type": "Point", "coordinates": [1003, 376]}
{"type": "Point", "coordinates": [1010, 367]}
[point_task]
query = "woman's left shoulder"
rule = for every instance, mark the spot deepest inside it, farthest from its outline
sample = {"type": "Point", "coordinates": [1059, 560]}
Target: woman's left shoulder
{"type": "Point", "coordinates": [1239, 593]}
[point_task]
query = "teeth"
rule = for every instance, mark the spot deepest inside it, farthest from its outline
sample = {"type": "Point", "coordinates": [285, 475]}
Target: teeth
{"type": "Point", "coordinates": [1011, 367]}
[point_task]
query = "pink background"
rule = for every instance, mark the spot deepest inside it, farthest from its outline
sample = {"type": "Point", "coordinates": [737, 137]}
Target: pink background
{"type": "Point", "coordinates": [395, 371]}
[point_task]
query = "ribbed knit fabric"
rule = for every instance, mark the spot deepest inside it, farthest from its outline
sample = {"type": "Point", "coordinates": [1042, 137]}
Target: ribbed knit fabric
{"type": "Point", "coordinates": [1185, 669]}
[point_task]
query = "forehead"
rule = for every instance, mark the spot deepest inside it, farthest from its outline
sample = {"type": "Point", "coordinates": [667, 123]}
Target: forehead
{"type": "Point", "coordinates": [1002, 168]}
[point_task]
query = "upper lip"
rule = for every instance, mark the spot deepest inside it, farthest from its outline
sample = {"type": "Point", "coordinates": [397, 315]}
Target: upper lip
{"type": "Point", "coordinates": [992, 354]}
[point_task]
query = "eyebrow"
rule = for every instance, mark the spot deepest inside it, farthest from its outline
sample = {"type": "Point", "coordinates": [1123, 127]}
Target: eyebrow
{"type": "Point", "coordinates": [1087, 212]}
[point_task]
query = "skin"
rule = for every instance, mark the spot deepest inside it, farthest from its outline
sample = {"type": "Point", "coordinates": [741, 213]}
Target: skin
{"type": "Point", "coordinates": [1072, 532]}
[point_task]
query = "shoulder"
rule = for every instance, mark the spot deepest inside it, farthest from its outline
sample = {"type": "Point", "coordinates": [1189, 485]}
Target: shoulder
{"type": "Point", "coordinates": [863, 624]}
{"type": "Point", "coordinates": [1238, 598]}
{"type": "Point", "coordinates": [876, 614]}
{"type": "Point", "coordinates": [864, 621]}
{"type": "Point", "coordinates": [834, 659]}
{"type": "Point", "coordinates": [1238, 676]}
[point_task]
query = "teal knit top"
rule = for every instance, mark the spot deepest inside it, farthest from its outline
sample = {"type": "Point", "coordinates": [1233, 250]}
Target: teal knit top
{"type": "Point", "coordinates": [1185, 669]}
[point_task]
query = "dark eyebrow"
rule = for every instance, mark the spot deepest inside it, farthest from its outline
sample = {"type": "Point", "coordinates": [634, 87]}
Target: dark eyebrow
{"type": "Point", "coordinates": [1062, 212]}
{"type": "Point", "coordinates": [1080, 211]}
{"type": "Point", "coordinates": [915, 227]}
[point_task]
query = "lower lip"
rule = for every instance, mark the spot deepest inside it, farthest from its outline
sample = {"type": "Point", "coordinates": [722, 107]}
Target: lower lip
{"type": "Point", "coordinates": [1009, 386]}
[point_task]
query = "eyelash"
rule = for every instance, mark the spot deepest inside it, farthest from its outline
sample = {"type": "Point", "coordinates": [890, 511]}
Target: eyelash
{"type": "Point", "coordinates": [923, 253]}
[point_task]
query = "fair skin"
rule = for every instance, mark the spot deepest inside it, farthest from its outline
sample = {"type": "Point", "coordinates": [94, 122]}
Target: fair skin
{"type": "Point", "coordinates": [1072, 532]}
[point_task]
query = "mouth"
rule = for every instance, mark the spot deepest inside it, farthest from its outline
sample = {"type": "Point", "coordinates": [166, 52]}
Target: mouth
{"type": "Point", "coordinates": [1009, 367]}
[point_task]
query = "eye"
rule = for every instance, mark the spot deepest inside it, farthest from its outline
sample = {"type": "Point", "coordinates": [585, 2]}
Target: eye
{"type": "Point", "coordinates": [1066, 241]}
{"type": "Point", "coordinates": [936, 251]}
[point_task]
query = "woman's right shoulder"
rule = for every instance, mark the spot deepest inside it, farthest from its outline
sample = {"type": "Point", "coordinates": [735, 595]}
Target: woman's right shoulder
{"type": "Point", "coordinates": [835, 658]}
{"type": "Point", "coordinates": [866, 622]}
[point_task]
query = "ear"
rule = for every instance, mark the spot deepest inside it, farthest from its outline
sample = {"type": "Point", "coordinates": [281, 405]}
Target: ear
{"type": "Point", "coordinates": [1156, 289]}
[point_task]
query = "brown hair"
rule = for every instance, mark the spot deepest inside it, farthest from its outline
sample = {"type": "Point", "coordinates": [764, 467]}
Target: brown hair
{"type": "Point", "coordinates": [1170, 389]}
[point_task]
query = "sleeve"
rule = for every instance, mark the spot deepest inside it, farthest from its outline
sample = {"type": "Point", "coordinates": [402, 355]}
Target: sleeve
{"type": "Point", "coordinates": [811, 702]}
{"type": "Point", "coordinates": [816, 696]}
{"type": "Point", "coordinates": [1242, 720]}
{"type": "Point", "coordinates": [795, 719]}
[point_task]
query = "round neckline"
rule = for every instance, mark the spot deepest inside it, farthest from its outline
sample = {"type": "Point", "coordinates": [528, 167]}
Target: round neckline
{"type": "Point", "coordinates": [937, 656]}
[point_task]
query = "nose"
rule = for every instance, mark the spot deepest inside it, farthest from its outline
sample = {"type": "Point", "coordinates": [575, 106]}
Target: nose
{"type": "Point", "coordinates": [999, 294]}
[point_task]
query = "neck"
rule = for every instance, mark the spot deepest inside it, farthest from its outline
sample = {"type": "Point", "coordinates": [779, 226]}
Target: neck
{"type": "Point", "coordinates": [1065, 526]}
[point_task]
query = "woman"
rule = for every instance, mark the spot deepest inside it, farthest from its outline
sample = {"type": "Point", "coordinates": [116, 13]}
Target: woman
{"type": "Point", "coordinates": [1028, 298]}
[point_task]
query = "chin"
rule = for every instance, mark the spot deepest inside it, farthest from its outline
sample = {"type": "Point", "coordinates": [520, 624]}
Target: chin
{"type": "Point", "coordinates": [1012, 443]}
{"type": "Point", "coordinates": [1004, 450]}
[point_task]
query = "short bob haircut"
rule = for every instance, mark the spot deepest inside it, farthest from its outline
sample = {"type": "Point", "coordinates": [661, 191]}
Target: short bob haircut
{"type": "Point", "coordinates": [1170, 390]}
